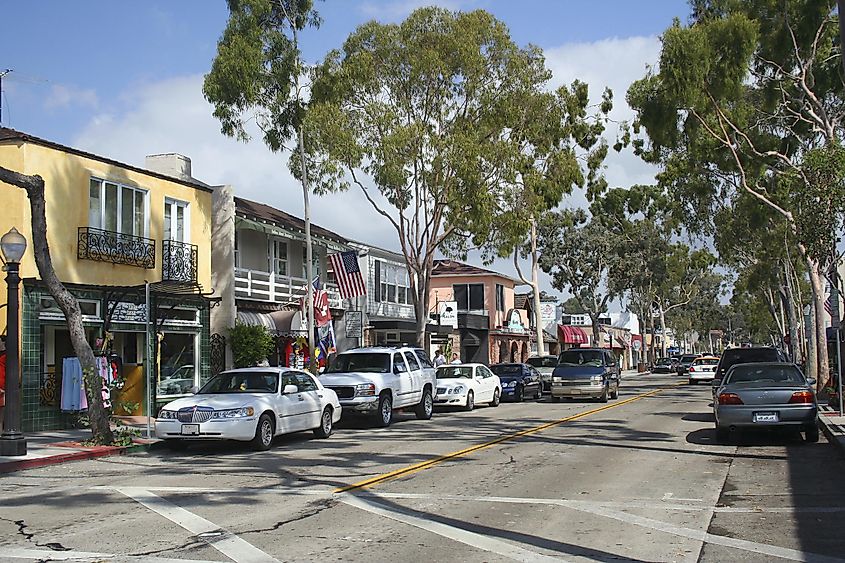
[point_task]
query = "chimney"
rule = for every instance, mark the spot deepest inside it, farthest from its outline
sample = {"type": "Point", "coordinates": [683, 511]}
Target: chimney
{"type": "Point", "coordinates": [170, 164]}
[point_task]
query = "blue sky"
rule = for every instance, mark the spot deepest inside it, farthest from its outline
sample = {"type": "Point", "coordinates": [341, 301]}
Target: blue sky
{"type": "Point", "coordinates": [123, 79]}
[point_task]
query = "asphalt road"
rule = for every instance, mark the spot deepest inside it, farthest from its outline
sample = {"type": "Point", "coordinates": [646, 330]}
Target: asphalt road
{"type": "Point", "coordinates": [639, 479]}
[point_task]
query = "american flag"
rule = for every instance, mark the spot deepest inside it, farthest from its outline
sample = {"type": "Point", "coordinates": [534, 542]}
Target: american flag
{"type": "Point", "coordinates": [348, 274]}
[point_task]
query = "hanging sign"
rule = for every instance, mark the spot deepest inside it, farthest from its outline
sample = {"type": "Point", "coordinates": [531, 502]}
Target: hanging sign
{"type": "Point", "coordinates": [354, 324]}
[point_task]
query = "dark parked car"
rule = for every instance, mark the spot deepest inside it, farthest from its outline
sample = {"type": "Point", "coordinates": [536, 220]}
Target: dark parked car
{"type": "Point", "coordinates": [519, 381]}
{"type": "Point", "coordinates": [665, 365]}
{"type": "Point", "coordinates": [763, 396]}
{"type": "Point", "coordinates": [586, 372]}
{"type": "Point", "coordinates": [685, 362]}
{"type": "Point", "coordinates": [733, 356]}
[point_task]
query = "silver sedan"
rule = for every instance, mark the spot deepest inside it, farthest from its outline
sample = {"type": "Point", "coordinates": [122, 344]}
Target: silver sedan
{"type": "Point", "coordinates": [765, 395]}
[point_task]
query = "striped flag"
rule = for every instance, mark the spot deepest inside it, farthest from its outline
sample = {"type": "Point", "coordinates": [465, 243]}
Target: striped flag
{"type": "Point", "coordinates": [348, 274]}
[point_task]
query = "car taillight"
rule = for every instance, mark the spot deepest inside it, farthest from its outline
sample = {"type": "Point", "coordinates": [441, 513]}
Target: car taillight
{"type": "Point", "coordinates": [801, 397]}
{"type": "Point", "coordinates": [729, 399]}
{"type": "Point", "coordinates": [692, 368]}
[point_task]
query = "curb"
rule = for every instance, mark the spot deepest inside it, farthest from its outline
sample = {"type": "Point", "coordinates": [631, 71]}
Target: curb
{"type": "Point", "coordinates": [837, 438]}
{"type": "Point", "coordinates": [103, 451]}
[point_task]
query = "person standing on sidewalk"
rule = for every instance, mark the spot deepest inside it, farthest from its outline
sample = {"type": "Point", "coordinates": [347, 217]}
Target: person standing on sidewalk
{"type": "Point", "coordinates": [439, 358]}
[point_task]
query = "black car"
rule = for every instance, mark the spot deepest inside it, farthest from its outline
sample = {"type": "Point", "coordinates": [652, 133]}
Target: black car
{"type": "Point", "coordinates": [665, 365]}
{"type": "Point", "coordinates": [519, 381]}
{"type": "Point", "coordinates": [685, 362]}
{"type": "Point", "coordinates": [758, 354]}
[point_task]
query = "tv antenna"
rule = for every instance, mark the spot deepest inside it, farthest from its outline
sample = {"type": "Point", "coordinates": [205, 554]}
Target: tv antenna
{"type": "Point", "coordinates": [2, 74]}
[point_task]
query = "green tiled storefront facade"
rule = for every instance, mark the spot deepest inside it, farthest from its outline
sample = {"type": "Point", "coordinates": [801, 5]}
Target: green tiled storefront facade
{"type": "Point", "coordinates": [40, 390]}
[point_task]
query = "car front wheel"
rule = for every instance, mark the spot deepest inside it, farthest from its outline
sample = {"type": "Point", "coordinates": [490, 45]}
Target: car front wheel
{"type": "Point", "coordinates": [326, 423]}
{"type": "Point", "coordinates": [264, 432]}
{"type": "Point", "coordinates": [425, 408]}
{"type": "Point", "coordinates": [385, 411]}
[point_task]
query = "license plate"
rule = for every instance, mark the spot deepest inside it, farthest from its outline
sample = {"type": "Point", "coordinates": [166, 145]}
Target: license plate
{"type": "Point", "coordinates": [190, 429]}
{"type": "Point", "coordinates": [575, 391]}
{"type": "Point", "coordinates": [765, 417]}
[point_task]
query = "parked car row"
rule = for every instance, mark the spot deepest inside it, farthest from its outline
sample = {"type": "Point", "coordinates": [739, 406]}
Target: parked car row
{"type": "Point", "coordinates": [256, 404]}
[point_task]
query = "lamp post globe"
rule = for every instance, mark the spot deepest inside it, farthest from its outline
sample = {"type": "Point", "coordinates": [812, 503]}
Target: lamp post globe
{"type": "Point", "coordinates": [12, 441]}
{"type": "Point", "coordinates": [13, 245]}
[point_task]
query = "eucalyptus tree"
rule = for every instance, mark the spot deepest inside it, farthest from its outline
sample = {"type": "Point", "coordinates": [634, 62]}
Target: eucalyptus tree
{"type": "Point", "coordinates": [256, 77]}
{"type": "Point", "coordinates": [578, 254]}
{"type": "Point", "coordinates": [748, 98]}
{"type": "Point", "coordinates": [447, 127]}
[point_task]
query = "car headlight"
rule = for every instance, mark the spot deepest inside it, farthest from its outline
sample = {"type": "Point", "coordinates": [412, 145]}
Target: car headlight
{"type": "Point", "coordinates": [458, 390]}
{"type": "Point", "coordinates": [167, 415]}
{"type": "Point", "coordinates": [510, 384]}
{"type": "Point", "coordinates": [233, 413]}
{"type": "Point", "coordinates": [365, 390]}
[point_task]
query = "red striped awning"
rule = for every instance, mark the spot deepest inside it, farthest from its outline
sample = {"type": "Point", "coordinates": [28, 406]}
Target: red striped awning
{"type": "Point", "coordinates": [572, 335]}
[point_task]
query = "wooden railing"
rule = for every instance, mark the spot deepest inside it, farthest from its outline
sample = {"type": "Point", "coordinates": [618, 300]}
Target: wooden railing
{"type": "Point", "coordinates": [266, 286]}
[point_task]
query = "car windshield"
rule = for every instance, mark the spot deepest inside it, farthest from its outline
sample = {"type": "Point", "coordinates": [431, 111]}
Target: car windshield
{"type": "Point", "coordinates": [580, 358]}
{"type": "Point", "coordinates": [370, 362]}
{"type": "Point", "coordinates": [454, 372]}
{"type": "Point", "coordinates": [664, 361]}
{"type": "Point", "coordinates": [242, 382]}
{"type": "Point", "coordinates": [752, 373]}
{"type": "Point", "coordinates": [687, 359]}
{"type": "Point", "coordinates": [507, 369]}
{"type": "Point", "coordinates": [544, 362]}
{"type": "Point", "coordinates": [706, 361]}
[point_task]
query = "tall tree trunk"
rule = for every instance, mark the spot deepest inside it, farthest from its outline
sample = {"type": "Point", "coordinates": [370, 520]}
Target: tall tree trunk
{"type": "Point", "coordinates": [594, 317]}
{"type": "Point", "coordinates": [97, 414]}
{"type": "Point", "coordinates": [651, 328]}
{"type": "Point", "coordinates": [819, 328]}
{"type": "Point", "coordinates": [789, 305]}
{"type": "Point", "coordinates": [663, 330]}
{"type": "Point", "coordinates": [535, 286]}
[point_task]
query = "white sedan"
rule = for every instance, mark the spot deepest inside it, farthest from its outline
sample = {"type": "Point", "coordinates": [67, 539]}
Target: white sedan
{"type": "Point", "coordinates": [464, 385]}
{"type": "Point", "coordinates": [251, 404]}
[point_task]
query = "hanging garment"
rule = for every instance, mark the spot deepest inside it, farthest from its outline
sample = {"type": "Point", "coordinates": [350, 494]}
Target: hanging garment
{"type": "Point", "coordinates": [73, 387]}
{"type": "Point", "coordinates": [104, 369]}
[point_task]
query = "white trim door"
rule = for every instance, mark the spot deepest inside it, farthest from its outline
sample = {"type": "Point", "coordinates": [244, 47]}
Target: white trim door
{"type": "Point", "coordinates": [176, 220]}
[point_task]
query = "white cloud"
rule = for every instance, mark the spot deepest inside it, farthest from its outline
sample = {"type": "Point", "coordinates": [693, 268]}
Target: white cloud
{"type": "Point", "coordinates": [172, 116]}
{"type": "Point", "coordinates": [63, 96]}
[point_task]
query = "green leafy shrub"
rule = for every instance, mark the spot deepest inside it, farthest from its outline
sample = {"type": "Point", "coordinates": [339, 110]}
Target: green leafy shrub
{"type": "Point", "coordinates": [250, 344]}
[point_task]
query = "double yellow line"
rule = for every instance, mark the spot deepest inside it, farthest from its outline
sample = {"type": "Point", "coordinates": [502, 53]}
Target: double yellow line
{"type": "Point", "coordinates": [411, 469]}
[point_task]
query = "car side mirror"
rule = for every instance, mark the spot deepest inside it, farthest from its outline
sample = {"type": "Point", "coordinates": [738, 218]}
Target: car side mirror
{"type": "Point", "coordinates": [194, 390]}
{"type": "Point", "coordinates": [717, 382]}
{"type": "Point", "coordinates": [289, 389]}
{"type": "Point", "coordinates": [811, 381]}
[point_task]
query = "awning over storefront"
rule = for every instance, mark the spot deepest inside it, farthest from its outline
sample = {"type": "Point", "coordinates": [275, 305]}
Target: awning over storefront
{"type": "Point", "coordinates": [277, 322]}
{"type": "Point", "coordinates": [572, 335]}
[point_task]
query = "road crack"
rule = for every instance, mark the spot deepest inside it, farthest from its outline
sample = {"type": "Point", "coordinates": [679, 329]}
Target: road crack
{"type": "Point", "coordinates": [318, 507]}
{"type": "Point", "coordinates": [28, 536]}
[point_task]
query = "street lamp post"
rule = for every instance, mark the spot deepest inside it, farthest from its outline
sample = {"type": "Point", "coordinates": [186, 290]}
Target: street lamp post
{"type": "Point", "coordinates": [12, 441]}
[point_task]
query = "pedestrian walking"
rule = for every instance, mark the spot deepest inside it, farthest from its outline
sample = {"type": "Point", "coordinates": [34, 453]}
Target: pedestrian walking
{"type": "Point", "coordinates": [439, 358]}
{"type": "Point", "coordinates": [455, 359]}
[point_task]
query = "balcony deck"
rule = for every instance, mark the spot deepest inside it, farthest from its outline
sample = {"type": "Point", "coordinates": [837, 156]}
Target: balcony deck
{"type": "Point", "coordinates": [265, 286]}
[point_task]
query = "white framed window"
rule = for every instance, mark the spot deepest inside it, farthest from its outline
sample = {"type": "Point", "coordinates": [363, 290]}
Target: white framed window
{"type": "Point", "coordinates": [176, 220]}
{"type": "Point", "coordinates": [315, 266]}
{"type": "Point", "coordinates": [118, 208]}
{"type": "Point", "coordinates": [277, 257]}
{"type": "Point", "coordinates": [395, 286]}
{"type": "Point", "coordinates": [48, 309]}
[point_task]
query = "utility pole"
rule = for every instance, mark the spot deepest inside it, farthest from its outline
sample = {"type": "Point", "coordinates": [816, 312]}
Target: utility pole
{"type": "Point", "coordinates": [2, 74]}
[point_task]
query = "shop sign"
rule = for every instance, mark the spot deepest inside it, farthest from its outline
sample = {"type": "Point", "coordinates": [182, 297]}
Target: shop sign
{"type": "Point", "coordinates": [548, 312]}
{"type": "Point", "coordinates": [515, 323]}
{"type": "Point", "coordinates": [638, 345]}
{"type": "Point", "coordinates": [129, 312]}
{"type": "Point", "coordinates": [354, 324]}
{"type": "Point", "coordinates": [449, 313]}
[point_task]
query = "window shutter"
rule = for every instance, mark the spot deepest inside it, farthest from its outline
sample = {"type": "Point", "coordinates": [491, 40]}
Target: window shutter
{"type": "Point", "coordinates": [377, 280]}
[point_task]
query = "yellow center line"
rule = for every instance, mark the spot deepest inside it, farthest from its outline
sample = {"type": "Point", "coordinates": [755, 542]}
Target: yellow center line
{"type": "Point", "coordinates": [410, 469]}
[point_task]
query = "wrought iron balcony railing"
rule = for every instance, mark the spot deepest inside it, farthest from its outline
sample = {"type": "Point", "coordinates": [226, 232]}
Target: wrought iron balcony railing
{"type": "Point", "coordinates": [179, 261]}
{"type": "Point", "coordinates": [117, 248]}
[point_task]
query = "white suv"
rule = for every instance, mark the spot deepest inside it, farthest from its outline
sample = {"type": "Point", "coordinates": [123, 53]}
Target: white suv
{"type": "Point", "coordinates": [379, 380]}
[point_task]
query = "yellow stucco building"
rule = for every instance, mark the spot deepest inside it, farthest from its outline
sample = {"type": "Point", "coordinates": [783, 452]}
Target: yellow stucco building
{"type": "Point", "coordinates": [113, 230]}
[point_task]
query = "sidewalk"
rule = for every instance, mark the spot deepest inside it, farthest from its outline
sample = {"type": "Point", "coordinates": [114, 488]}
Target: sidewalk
{"type": "Point", "coordinates": [61, 446]}
{"type": "Point", "coordinates": [833, 426]}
